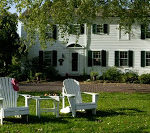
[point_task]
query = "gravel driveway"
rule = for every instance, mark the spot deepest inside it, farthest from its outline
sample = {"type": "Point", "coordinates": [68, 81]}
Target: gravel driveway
{"type": "Point", "coordinates": [91, 87]}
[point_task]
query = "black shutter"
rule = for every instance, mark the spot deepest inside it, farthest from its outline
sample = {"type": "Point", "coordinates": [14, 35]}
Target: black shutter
{"type": "Point", "coordinates": [105, 28]}
{"type": "Point", "coordinates": [94, 28]}
{"type": "Point", "coordinates": [89, 58]}
{"type": "Point", "coordinates": [143, 32]}
{"type": "Point", "coordinates": [71, 29]}
{"type": "Point", "coordinates": [82, 28]}
{"type": "Point", "coordinates": [117, 58]}
{"type": "Point", "coordinates": [40, 60]}
{"type": "Point", "coordinates": [54, 32]}
{"type": "Point", "coordinates": [143, 63]}
{"type": "Point", "coordinates": [130, 58]}
{"type": "Point", "coordinates": [104, 58]}
{"type": "Point", "coordinates": [54, 60]}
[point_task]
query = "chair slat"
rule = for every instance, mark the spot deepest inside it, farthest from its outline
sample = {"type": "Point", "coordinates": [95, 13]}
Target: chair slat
{"type": "Point", "coordinates": [8, 93]}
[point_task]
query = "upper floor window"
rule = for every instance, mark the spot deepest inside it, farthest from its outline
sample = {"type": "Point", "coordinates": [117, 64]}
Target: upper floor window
{"type": "Point", "coordinates": [100, 28]}
{"type": "Point", "coordinates": [145, 31]}
{"type": "Point", "coordinates": [51, 32]}
{"type": "Point", "coordinates": [76, 29]}
{"type": "Point", "coordinates": [148, 31]}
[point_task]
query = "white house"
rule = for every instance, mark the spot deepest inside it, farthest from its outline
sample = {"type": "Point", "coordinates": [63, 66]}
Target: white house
{"type": "Point", "coordinates": [99, 47]}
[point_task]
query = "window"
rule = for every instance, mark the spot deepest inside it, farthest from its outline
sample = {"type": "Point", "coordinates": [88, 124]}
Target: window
{"type": "Point", "coordinates": [51, 32]}
{"type": "Point", "coordinates": [100, 28]}
{"type": "Point", "coordinates": [47, 57]}
{"type": "Point", "coordinates": [123, 58]}
{"type": "Point", "coordinates": [96, 58]}
{"type": "Point", "coordinates": [76, 29]}
{"type": "Point", "coordinates": [145, 31]}
{"type": "Point", "coordinates": [148, 31]}
{"type": "Point", "coordinates": [148, 58]}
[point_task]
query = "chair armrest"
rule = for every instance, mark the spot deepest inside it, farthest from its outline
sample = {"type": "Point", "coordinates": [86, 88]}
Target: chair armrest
{"type": "Point", "coordinates": [55, 98]}
{"type": "Point", "coordinates": [69, 95]}
{"type": "Point", "coordinates": [25, 95]}
{"type": "Point", "coordinates": [90, 93]}
{"type": "Point", "coordinates": [27, 98]}
{"type": "Point", "coordinates": [94, 96]}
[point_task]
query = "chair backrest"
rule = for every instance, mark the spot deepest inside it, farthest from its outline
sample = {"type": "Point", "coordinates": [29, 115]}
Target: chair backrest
{"type": "Point", "coordinates": [7, 93]}
{"type": "Point", "coordinates": [72, 87]}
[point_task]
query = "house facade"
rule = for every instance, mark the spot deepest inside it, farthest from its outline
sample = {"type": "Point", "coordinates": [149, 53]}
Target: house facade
{"type": "Point", "coordinates": [99, 47]}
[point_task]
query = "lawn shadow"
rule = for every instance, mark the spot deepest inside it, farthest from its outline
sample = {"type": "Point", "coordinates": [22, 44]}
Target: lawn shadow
{"type": "Point", "coordinates": [35, 120]}
{"type": "Point", "coordinates": [105, 113]}
{"type": "Point", "coordinates": [118, 111]}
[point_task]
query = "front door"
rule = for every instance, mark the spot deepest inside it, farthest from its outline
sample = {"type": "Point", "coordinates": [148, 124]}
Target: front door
{"type": "Point", "coordinates": [74, 62]}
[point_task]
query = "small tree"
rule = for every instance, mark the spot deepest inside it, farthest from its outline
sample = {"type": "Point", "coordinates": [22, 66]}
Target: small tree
{"type": "Point", "coordinates": [10, 44]}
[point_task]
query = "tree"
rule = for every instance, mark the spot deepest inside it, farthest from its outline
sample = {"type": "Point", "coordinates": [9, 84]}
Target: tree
{"type": "Point", "coordinates": [38, 14]}
{"type": "Point", "coordinates": [10, 44]}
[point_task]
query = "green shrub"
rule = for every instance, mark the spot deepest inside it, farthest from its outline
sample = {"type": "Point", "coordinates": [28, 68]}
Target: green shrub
{"type": "Point", "coordinates": [35, 65]}
{"type": "Point", "coordinates": [50, 73]}
{"type": "Point", "coordinates": [94, 75]}
{"type": "Point", "coordinates": [144, 78]}
{"type": "Point", "coordinates": [38, 76]}
{"type": "Point", "coordinates": [113, 75]}
{"type": "Point", "coordinates": [131, 77]}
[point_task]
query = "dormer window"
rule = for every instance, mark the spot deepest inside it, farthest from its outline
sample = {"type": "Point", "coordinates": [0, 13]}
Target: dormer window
{"type": "Point", "coordinates": [52, 32]}
{"type": "Point", "coordinates": [100, 29]}
{"type": "Point", "coordinates": [76, 29]}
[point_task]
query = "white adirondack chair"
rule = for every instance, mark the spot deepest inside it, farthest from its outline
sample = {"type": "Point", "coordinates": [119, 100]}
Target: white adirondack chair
{"type": "Point", "coordinates": [8, 100]}
{"type": "Point", "coordinates": [71, 89]}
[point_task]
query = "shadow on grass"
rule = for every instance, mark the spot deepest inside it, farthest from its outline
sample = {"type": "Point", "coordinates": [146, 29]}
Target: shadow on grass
{"type": "Point", "coordinates": [106, 113]}
{"type": "Point", "coordinates": [35, 120]}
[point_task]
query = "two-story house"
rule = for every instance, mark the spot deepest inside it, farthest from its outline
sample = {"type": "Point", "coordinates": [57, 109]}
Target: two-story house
{"type": "Point", "coordinates": [100, 46]}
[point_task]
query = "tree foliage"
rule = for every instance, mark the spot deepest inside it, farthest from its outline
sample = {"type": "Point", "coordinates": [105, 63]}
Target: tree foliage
{"type": "Point", "coordinates": [38, 14]}
{"type": "Point", "coordinates": [10, 44]}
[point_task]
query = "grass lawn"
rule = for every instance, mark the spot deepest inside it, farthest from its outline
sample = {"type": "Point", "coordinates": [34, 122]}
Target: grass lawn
{"type": "Point", "coordinates": [116, 112]}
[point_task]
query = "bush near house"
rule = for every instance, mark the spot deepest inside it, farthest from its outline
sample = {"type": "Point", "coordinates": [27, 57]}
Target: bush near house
{"type": "Point", "coordinates": [94, 75]}
{"type": "Point", "coordinates": [131, 77]}
{"type": "Point", "coordinates": [113, 75]}
{"type": "Point", "coordinates": [144, 79]}
{"type": "Point", "coordinates": [50, 73]}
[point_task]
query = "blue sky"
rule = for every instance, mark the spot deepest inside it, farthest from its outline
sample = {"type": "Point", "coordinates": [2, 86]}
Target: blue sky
{"type": "Point", "coordinates": [12, 9]}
